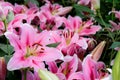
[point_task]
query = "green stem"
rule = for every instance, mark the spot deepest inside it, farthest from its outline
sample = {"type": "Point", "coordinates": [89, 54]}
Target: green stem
{"type": "Point", "coordinates": [100, 16]}
{"type": "Point", "coordinates": [117, 38]}
{"type": "Point", "coordinates": [25, 74]}
{"type": "Point", "coordinates": [112, 55]}
{"type": "Point", "coordinates": [8, 47]}
{"type": "Point", "coordinates": [5, 24]}
{"type": "Point", "coordinates": [63, 2]}
{"type": "Point", "coordinates": [113, 2]}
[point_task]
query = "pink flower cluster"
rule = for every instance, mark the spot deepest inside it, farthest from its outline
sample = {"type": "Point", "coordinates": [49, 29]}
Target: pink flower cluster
{"type": "Point", "coordinates": [115, 26]}
{"type": "Point", "coordinates": [33, 29]}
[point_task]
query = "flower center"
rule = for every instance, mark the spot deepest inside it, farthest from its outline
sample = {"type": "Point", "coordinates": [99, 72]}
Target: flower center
{"type": "Point", "coordinates": [67, 70]}
{"type": "Point", "coordinates": [80, 28]}
{"type": "Point", "coordinates": [68, 36]}
{"type": "Point", "coordinates": [34, 50]}
{"type": "Point", "coordinates": [54, 12]}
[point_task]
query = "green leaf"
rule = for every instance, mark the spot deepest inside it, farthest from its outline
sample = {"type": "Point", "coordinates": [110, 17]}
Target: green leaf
{"type": "Point", "coordinates": [46, 75]}
{"type": "Point", "coordinates": [2, 53]}
{"type": "Point", "coordinates": [111, 1]}
{"type": "Point", "coordinates": [115, 44]}
{"type": "Point", "coordinates": [116, 67]}
{"type": "Point", "coordinates": [6, 48]}
{"type": "Point", "coordinates": [100, 22]}
{"type": "Point", "coordinates": [53, 45]}
{"type": "Point", "coordinates": [7, 58]}
{"type": "Point", "coordinates": [80, 10]}
{"type": "Point", "coordinates": [10, 16]}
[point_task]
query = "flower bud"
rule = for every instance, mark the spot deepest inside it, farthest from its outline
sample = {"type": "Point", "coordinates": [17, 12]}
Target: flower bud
{"type": "Point", "coordinates": [116, 67]}
{"type": "Point", "coordinates": [64, 10]}
{"type": "Point", "coordinates": [46, 75]}
{"type": "Point", "coordinates": [91, 44]}
{"type": "Point", "coordinates": [96, 53]}
{"type": "Point", "coordinates": [2, 68]}
{"type": "Point", "coordinates": [1, 14]}
{"type": "Point", "coordinates": [95, 4]}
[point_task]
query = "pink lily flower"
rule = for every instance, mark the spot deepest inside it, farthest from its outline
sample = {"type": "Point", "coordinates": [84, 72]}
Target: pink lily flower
{"type": "Point", "coordinates": [21, 19]}
{"type": "Point", "coordinates": [74, 49]}
{"type": "Point", "coordinates": [29, 75]}
{"type": "Point", "coordinates": [18, 19]}
{"type": "Point", "coordinates": [56, 9]}
{"type": "Point", "coordinates": [5, 7]}
{"type": "Point", "coordinates": [115, 26]}
{"type": "Point", "coordinates": [70, 37]}
{"type": "Point", "coordinates": [29, 51]}
{"type": "Point", "coordinates": [32, 10]}
{"type": "Point", "coordinates": [50, 37]}
{"type": "Point", "coordinates": [19, 9]}
{"type": "Point", "coordinates": [52, 66]}
{"type": "Point", "coordinates": [68, 67]}
{"type": "Point", "coordinates": [93, 70]}
{"type": "Point", "coordinates": [117, 14]}
{"type": "Point", "coordinates": [52, 23]}
{"type": "Point", "coordinates": [90, 69]}
{"type": "Point", "coordinates": [52, 20]}
{"type": "Point", "coordinates": [72, 44]}
{"type": "Point", "coordinates": [77, 76]}
{"type": "Point", "coordinates": [82, 28]}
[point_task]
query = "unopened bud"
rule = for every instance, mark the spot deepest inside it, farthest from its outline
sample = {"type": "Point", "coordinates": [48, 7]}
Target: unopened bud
{"type": "Point", "coordinates": [2, 68]}
{"type": "Point", "coordinates": [96, 53]}
{"type": "Point", "coordinates": [64, 10]}
{"type": "Point", "coordinates": [95, 4]}
{"type": "Point", "coordinates": [46, 75]}
{"type": "Point", "coordinates": [91, 44]}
